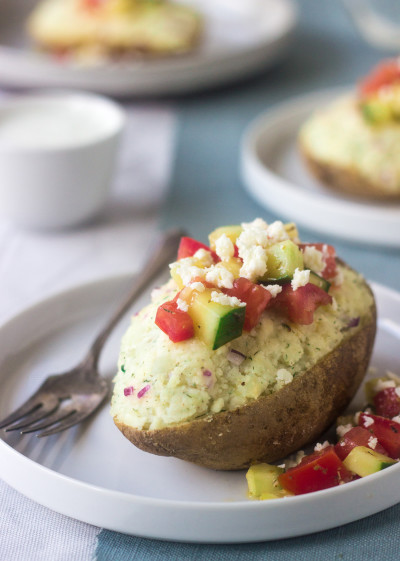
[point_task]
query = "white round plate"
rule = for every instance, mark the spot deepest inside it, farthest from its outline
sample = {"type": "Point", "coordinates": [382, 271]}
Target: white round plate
{"type": "Point", "coordinates": [274, 174]}
{"type": "Point", "coordinates": [92, 473]}
{"type": "Point", "coordinates": [238, 41]}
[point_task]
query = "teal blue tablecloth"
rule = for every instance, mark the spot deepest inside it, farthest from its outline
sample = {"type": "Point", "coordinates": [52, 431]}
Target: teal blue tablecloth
{"type": "Point", "coordinates": [206, 191]}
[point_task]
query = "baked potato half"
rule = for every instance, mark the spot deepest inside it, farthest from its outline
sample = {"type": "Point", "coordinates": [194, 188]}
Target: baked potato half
{"type": "Point", "coordinates": [258, 397]}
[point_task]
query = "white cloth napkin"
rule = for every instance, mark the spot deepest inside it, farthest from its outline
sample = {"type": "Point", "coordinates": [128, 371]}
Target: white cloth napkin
{"type": "Point", "coordinates": [36, 264]}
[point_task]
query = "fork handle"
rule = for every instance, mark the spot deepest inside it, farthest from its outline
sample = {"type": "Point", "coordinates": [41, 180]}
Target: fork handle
{"type": "Point", "coordinates": [162, 251]}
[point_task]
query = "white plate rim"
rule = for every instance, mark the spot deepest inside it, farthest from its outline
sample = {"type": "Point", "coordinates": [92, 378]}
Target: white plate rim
{"type": "Point", "coordinates": [189, 73]}
{"type": "Point", "coordinates": [192, 521]}
{"type": "Point", "coordinates": [380, 224]}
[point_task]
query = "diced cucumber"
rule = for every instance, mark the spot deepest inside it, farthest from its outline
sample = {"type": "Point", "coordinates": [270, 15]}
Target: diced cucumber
{"type": "Point", "coordinates": [262, 480]}
{"type": "Point", "coordinates": [233, 232]}
{"type": "Point", "coordinates": [376, 111]}
{"type": "Point", "coordinates": [283, 258]}
{"type": "Point", "coordinates": [319, 281]}
{"type": "Point", "coordinates": [363, 461]}
{"type": "Point", "coordinates": [215, 324]}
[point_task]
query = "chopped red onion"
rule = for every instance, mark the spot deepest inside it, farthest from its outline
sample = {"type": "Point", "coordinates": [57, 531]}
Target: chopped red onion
{"type": "Point", "coordinates": [143, 391]}
{"type": "Point", "coordinates": [207, 373]}
{"type": "Point", "coordinates": [129, 390]}
{"type": "Point", "coordinates": [353, 322]}
{"type": "Point", "coordinates": [235, 357]}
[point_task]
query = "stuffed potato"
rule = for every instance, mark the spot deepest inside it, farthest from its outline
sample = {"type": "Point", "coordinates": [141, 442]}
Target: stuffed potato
{"type": "Point", "coordinates": [352, 145]}
{"type": "Point", "coordinates": [251, 350]}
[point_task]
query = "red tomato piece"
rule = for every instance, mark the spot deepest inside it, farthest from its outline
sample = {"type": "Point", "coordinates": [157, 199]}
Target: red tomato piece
{"type": "Point", "coordinates": [92, 4]}
{"type": "Point", "coordinates": [318, 471]}
{"type": "Point", "coordinates": [385, 430]}
{"type": "Point", "coordinates": [255, 296]}
{"type": "Point", "coordinates": [177, 324]}
{"type": "Point", "coordinates": [382, 75]}
{"type": "Point", "coordinates": [189, 246]}
{"type": "Point", "coordinates": [357, 436]}
{"type": "Point", "coordinates": [329, 255]}
{"type": "Point", "coordinates": [387, 403]}
{"type": "Point", "coordinates": [301, 304]}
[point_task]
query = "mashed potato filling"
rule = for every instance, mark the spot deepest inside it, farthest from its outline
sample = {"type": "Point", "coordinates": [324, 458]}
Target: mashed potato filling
{"type": "Point", "coordinates": [339, 135]}
{"type": "Point", "coordinates": [160, 383]}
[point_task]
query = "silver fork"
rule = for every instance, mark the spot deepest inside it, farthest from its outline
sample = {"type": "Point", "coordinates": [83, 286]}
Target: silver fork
{"type": "Point", "coordinates": [65, 400]}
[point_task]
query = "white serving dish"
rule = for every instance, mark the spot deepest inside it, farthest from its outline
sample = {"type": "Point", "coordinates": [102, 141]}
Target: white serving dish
{"type": "Point", "coordinates": [57, 157]}
{"type": "Point", "coordinates": [238, 41]}
{"type": "Point", "coordinates": [92, 473]}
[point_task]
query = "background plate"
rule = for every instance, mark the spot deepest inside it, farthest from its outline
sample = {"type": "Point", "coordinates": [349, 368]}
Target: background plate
{"type": "Point", "coordinates": [92, 473]}
{"type": "Point", "coordinates": [276, 177]}
{"type": "Point", "coordinates": [237, 42]}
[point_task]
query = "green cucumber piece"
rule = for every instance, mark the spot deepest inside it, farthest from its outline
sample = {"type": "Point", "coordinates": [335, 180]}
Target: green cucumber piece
{"type": "Point", "coordinates": [319, 281]}
{"type": "Point", "coordinates": [363, 461]}
{"type": "Point", "coordinates": [215, 324]}
{"type": "Point", "coordinates": [262, 481]}
{"type": "Point", "coordinates": [376, 112]}
{"type": "Point", "coordinates": [283, 258]}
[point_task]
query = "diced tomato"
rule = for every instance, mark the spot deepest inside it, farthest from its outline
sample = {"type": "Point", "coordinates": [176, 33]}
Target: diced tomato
{"type": "Point", "coordinates": [385, 430]}
{"type": "Point", "coordinates": [189, 246]}
{"type": "Point", "coordinates": [387, 403]}
{"type": "Point", "coordinates": [329, 255]}
{"type": "Point", "coordinates": [318, 471]}
{"type": "Point", "coordinates": [384, 74]}
{"type": "Point", "coordinates": [177, 324]}
{"type": "Point", "coordinates": [357, 436]}
{"type": "Point", "coordinates": [301, 304]}
{"type": "Point", "coordinates": [255, 296]}
{"type": "Point", "coordinates": [91, 4]}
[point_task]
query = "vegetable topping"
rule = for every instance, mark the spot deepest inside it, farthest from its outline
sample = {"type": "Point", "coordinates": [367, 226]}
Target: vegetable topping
{"type": "Point", "coordinates": [247, 269]}
{"type": "Point", "coordinates": [368, 443]}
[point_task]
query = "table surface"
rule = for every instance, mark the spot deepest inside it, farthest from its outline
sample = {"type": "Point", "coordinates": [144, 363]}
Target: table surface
{"type": "Point", "coordinates": [196, 139]}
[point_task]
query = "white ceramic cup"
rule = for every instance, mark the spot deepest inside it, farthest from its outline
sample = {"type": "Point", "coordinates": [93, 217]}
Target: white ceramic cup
{"type": "Point", "coordinates": [57, 157]}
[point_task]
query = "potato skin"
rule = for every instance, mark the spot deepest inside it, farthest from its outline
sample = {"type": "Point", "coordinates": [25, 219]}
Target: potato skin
{"type": "Point", "coordinates": [346, 180]}
{"type": "Point", "coordinates": [272, 426]}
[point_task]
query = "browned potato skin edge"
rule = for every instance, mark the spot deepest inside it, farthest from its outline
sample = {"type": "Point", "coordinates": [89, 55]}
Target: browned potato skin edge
{"type": "Point", "coordinates": [272, 426]}
{"type": "Point", "coordinates": [346, 180]}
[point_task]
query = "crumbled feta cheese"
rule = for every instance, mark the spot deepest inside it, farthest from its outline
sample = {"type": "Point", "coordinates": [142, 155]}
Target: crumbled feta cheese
{"type": "Point", "coordinates": [368, 421]}
{"type": "Point", "coordinates": [396, 419]}
{"type": "Point", "coordinates": [284, 376]}
{"type": "Point", "coordinates": [220, 276]}
{"type": "Point", "coordinates": [300, 278]}
{"type": "Point", "coordinates": [276, 232]}
{"type": "Point", "coordinates": [397, 391]}
{"type": "Point", "coordinates": [293, 461]}
{"type": "Point", "coordinates": [273, 289]}
{"type": "Point", "coordinates": [338, 278]}
{"type": "Point", "coordinates": [254, 263]}
{"type": "Point", "coordinates": [225, 300]}
{"type": "Point", "coordinates": [199, 286]}
{"type": "Point", "coordinates": [182, 305]}
{"type": "Point", "coordinates": [224, 248]}
{"type": "Point", "coordinates": [187, 269]}
{"type": "Point", "coordinates": [383, 385]}
{"type": "Point", "coordinates": [204, 256]}
{"type": "Point", "coordinates": [314, 259]}
{"type": "Point", "coordinates": [318, 447]}
{"type": "Point", "coordinates": [342, 429]}
{"type": "Point", "coordinates": [372, 442]}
